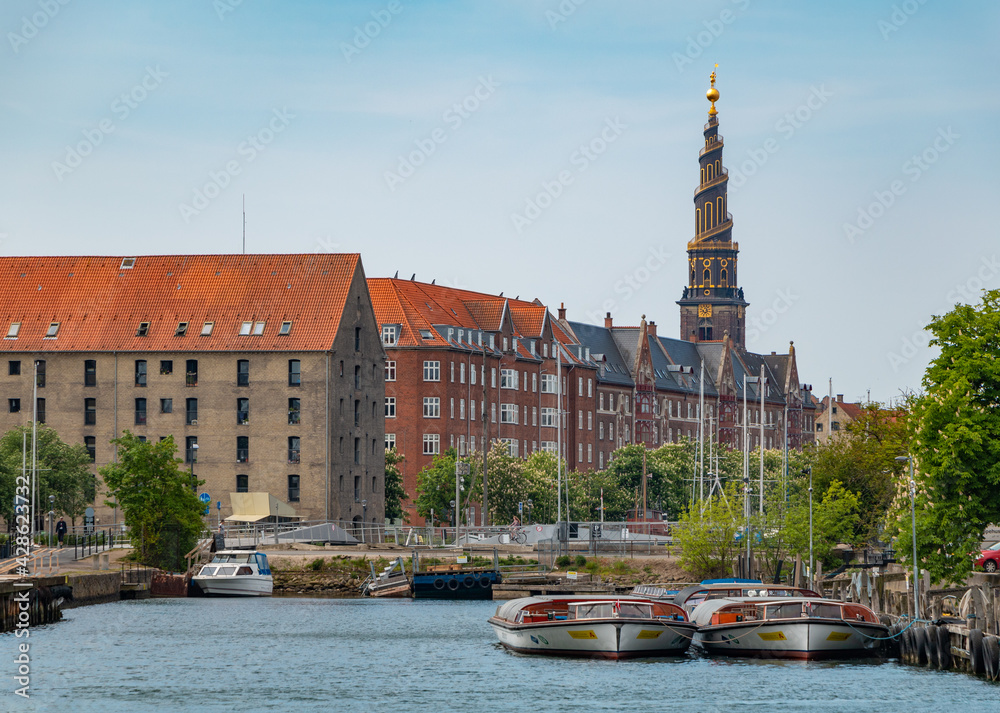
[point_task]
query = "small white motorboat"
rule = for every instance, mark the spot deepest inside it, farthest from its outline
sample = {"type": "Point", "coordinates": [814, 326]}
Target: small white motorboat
{"type": "Point", "coordinates": [236, 573]}
{"type": "Point", "coordinates": [787, 628]}
{"type": "Point", "coordinates": [593, 626]}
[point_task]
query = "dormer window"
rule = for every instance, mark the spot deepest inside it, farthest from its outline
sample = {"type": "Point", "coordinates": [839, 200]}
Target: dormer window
{"type": "Point", "coordinates": [206, 329]}
{"type": "Point", "coordinates": [182, 328]}
{"type": "Point", "coordinates": [13, 330]}
{"type": "Point", "coordinates": [389, 334]}
{"type": "Point", "coordinates": [258, 328]}
{"type": "Point", "coordinates": [128, 263]}
{"type": "Point", "coordinates": [143, 329]}
{"type": "Point", "coordinates": [53, 330]}
{"type": "Point", "coordinates": [245, 329]}
{"type": "Point", "coordinates": [286, 328]}
{"type": "Point", "coordinates": [426, 334]}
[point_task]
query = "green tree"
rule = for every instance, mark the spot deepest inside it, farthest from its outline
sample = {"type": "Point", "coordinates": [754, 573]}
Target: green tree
{"type": "Point", "coordinates": [956, 441]}
{"type": "Point", "coordinates": [835, 519]}
{"type": "Point", "coordinates": [395, 494]}
{"type": "Point", "coordinates": [436, 486]}
{"type": "Point", "coordinates": [157, 500]}
{"type": "Point", "coordinates": [708, 539]}
{"type": "Point", "coordinates": [63, 472]}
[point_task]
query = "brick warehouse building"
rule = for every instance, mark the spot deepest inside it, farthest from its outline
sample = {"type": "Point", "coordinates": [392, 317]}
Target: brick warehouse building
{"type": "Point", "coordinates": [270, 364]}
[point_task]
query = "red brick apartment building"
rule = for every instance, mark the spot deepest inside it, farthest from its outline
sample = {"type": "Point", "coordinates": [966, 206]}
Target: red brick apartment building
{"type": "Point", "coordinates": [266, 369]}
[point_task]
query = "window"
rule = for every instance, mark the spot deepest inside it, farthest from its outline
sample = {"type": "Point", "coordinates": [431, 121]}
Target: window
{"type": "Point", "coordinates": [166, 366]}
{"type": "Point", "coordinates": [242, 412]}
{"type": "Point", "coordinates": [508, 378]}
{"type": "Point", "coordinates": [590, 388]}
{"type": "Point", "coordinates": [40, 409]}
{"type": "Point", "coordinates": [600, 431]}
{"type": "Point", "coordinates": [549, 417]}
{"type": "Point", "coordinates": [206, 329]}
{"type": "Point", "coordinates": [182, 328]}
{"type": "Point", "coordinates": [14, 405]}
{"type": "Point", "coordinates": [14, 368]}
{"type": "Point", "coordinates": [432, 371]}
{"type": "Point", "coordinates": [432, 444]}
{"type": "Point", "coordinates": [166, 405]}
{"type": "Point", "coordinates": [461, 409]}
{"type": "Point", "coordinates": [192, 412]}
{"type": "Point", "coordinates": [357, 376]}
{"type": "Point", "coordinates": [13, 329]}
{"type": "Point", "coordinates": [548, 383]}
{"type": "Point", "coordinates": [143, 329]}
{"type": "Point", "coordinates": [242, 449]}
{"type": "Point", "coordinates": [835, 426]}
{"type": "Point", "coordinates": [579, 386]}
{"type": "Point", "coordinates": [357, 451]}
{"type": "Point", "coordinates": [90, 372]}
{"type": "Point", "coordinates": [508, 413]}
{"type": "Point", "coordinates": [389, 334]}
{"type": "Point", "coordinates": [452, 372]}
{"type": "Point", "coordinates": [452, 409]}
{"type": "Point", "coordinates": [140, 412]}
{"type": "Point", "coordinates": [192, 372]}
{"type": "Point", "coordinates": [294, 372]}
{"type": "Point", "coordinates": [191, 449]}
{"type": "Point", "coordinates": [242, 483]}
{"type": "Point", "coordinates": [40, 373]}
{"type": "Point", "coordinates": [258, 328]}
{"type": "Point", "coordinates": [590, 453]}
{"type": "Point", "coordinates": [294, 412]}
{"type": "Point", "coordinates": [579, 420]}
{"type": "Point", "coordinates": [91, 443]}
{"type": "Point", "coordinates": [357, 488]}
{"type": "Point", "coordinates": [590, 420]}
{"type": "Point", "coordinates": [390, 441]}
{"type": "Point", "coordinates": [493, 412]}
{"type": "Point", "coordinates": [89, 412]}
{"type": "Point", "coordinates": [390, 371]}
{"type": "Point", "coordinates": [461, 373]}
{"type": "Point", "coordinates": [293, 488]}
{"type": "Point", "coordinates": [243, 372]}
{"type": "Point", "coordinates": [53, 331]}
{"type": "Point", "coordinates": [426, 334]}
{"type": "Point", "coordinates": [357, 412]}
{"type": "Point", "coordinates": [286, 329]}
{"type": "Point", "coordinates": [534, 383]}
{"type": "Point", "coordinates": [293, 449]}
{"type": "Point", "coordinates": [549, 446]}
{"type": "Point", "coordinates": [432, 407]}
{"type": "Point", "coordinates": [140, 372]}
{"type": "Point", "coordinates": [534, 416]}
{"type": "Point", "coordinates": [357, 339]}
{"type": "Point", "coordinates": [511, 444]}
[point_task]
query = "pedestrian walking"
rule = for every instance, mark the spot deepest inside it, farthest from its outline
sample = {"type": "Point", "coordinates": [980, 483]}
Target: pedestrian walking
{"type": "Point", "coordinates": [61, 530]}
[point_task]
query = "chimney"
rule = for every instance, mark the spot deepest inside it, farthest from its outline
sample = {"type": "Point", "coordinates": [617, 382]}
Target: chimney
{"type": "Point", "coordinates": [651, 329]}
{"type": "Point", "coordinates": [562, 310]}
{"type": "Point", "coordinates": [840, 398]}
{"type": "Point", "coordinates": [607, 321]}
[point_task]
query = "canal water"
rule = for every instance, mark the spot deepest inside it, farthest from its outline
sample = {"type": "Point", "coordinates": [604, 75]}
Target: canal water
{"type": "Point", "coordinates": [364, 655]}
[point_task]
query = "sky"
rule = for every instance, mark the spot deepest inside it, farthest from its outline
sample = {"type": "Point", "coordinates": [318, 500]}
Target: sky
{"type": "Point", "coordinates": [540, 148]}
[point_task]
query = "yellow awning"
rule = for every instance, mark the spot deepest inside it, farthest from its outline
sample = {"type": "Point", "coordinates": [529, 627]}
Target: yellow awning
{"type": "Point", "coordinates": [253, 507]}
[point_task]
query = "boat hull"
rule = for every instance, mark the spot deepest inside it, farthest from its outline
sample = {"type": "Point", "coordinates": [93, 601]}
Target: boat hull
{"type": "Point", "coordinates": [252, 585]}
{"type": "Point", "coordinates": [805, 639]}
{"type": "Point", "coordinates": [607, 639]}
{"type": "Point", "coordinates": [454, 585]}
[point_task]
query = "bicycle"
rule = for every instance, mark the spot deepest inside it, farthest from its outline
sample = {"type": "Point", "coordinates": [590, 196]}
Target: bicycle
{"type": "Point", "coordinates": [518, 535]}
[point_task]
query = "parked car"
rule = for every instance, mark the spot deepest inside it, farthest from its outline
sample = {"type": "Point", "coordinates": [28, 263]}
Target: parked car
{"type": "Point", "coordinates": [989, 559]}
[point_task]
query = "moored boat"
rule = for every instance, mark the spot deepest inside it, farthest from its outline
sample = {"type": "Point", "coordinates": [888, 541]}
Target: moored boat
{"type": "Point", "coordinates": [593, 626]}
{"type": "Point", "coordinates": [692, 595]}
{"type": "Point", "coordinates": [788, 628]}
{"type": "Point", "coordinates": [236, 573]}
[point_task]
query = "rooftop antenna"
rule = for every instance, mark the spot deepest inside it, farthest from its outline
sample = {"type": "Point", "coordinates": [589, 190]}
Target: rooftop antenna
{"type": "Point", "coordinates": [244, 223]}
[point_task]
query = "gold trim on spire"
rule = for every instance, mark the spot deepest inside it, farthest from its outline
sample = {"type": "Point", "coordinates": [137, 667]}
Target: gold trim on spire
{"type": "Point", "coordinates": [713, 95]}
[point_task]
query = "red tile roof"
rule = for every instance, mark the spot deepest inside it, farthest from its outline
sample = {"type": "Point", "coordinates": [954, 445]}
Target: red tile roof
{"type": "Point", "coordinates": [99, 302]}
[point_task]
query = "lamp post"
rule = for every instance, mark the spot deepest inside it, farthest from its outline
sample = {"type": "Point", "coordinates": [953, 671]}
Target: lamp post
{"type": "Point", "coordinates": [364, 518]}
{"type": "Point", "coordinates": [52, 513]}
{"type": "Point", "coordinates": [529, 509]}
{"type": "Point", "coordinates": [913, 520]}
{"type": "Point", "coordinates": [194, 458]}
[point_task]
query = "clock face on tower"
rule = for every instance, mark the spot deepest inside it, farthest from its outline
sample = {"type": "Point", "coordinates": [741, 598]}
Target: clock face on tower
{"type": "Point", "coordinates": [704, 310]}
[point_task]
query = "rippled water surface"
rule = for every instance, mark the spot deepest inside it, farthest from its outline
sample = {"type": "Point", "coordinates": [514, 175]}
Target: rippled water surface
{"type": "Point", "coordinates": [286, 654]}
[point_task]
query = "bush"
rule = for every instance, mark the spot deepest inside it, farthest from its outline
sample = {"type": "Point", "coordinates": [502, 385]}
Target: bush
{"type": "Point", "coordinates": [562, 561]}
{"type": "Point", "coordinates": [620, 567]}
{"type": "Point", "coordinates": [317, 564]}
{"type": "Point", "coordinates": [580, 561]}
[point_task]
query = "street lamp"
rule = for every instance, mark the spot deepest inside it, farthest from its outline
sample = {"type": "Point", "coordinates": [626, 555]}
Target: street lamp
{"type": "Point", "coordinates": [194, 458]}
{"type": "Point", "coordinates": [364, 518]}
{"type": "Point", "coordinates": [810, 470]}
{"type": "Point", "coordinates": [529, 509]}
{"type": "Point", "coordinates": [52, 514]}
{"type": "Point", "coordinates": [913, 520]}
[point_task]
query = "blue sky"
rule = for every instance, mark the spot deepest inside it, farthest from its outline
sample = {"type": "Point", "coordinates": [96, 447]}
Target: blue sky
{"type": "Point", "coordinates": [417, 133]}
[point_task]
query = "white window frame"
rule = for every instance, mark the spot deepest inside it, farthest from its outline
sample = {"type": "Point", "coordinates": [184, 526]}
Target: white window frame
{"type": "Point", "coordinates": [390, 441]}
{"type": "Point", "coordinates": [432, 444]}
{"type": "Point", "coordinates": [549, 446]}
{"type": "Point", "coordinates": [432, 407]}
{"type": "Point", "coordinates": [389, 335]}
{"type": "Point", "coordinates": [548, 417]}
{"type": "Point", "coordinates": [549, 384]}
{"type": "Point", "coordinates": [390, 407]}
{"type": "Point", "coordinates": [390, 371]}
{"type": "Point", "coordinates": [508, 379]}
{"type": "Point", "coordinates": [432, 371]}
{"type": "Point", "coordinates": [508, 413]}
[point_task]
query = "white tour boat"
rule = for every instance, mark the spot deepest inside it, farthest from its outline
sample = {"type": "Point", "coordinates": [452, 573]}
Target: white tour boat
{"type": "Point", "coordinates": [236, 573]}
{"type": "Point", "coordinates": [593, 626]}
{"type": "Point", "coordinates": [787, 628]}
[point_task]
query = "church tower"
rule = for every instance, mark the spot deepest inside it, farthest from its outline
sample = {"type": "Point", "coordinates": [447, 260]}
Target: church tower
{"type": "Point", "coordinates": [712, 304]}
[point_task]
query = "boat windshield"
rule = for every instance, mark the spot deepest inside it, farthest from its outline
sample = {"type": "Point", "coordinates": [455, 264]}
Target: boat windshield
{"type": "Point", "coordinates": [797, 610]}
{"type": "Point", "coordinates": [608, 610]}
{"type": "Point", "coordinates": [207, 571]}
{"type": "Point", "coordinates": [226, 572]}
{"type": "Point", "coordinates": [222, 558]}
